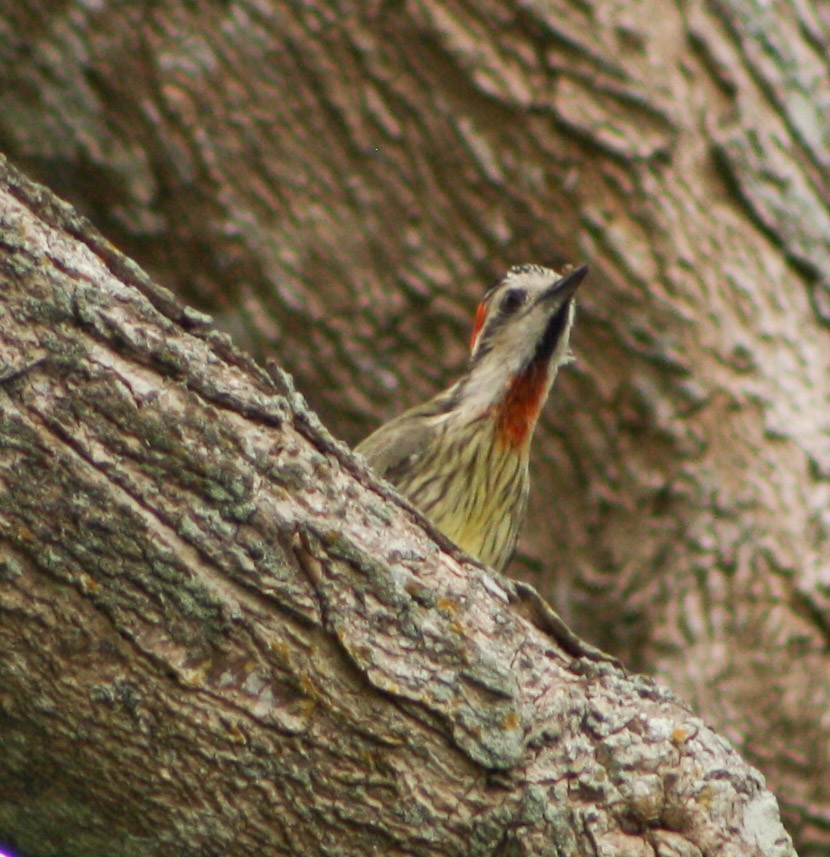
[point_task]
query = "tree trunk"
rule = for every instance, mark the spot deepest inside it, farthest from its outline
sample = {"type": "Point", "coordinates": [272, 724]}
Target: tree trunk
{"type": "Point", "coordinates": [337, 185]}
{"type": "Point", "coordinates": [219, 635]}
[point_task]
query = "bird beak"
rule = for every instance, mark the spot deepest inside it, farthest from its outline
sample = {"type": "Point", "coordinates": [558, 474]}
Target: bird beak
{"type": "Point", "coordinates": [565, 288]}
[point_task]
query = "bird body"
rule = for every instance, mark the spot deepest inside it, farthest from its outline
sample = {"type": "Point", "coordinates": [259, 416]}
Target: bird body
{"type": "Point", "coordinates": [462, 457]}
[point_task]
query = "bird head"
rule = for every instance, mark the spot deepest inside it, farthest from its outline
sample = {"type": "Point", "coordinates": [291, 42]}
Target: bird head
{"type": "Point", "coordinates": [519, 340]}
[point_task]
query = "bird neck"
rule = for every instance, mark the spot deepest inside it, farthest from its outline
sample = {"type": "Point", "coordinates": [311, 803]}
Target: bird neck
{"type": "Point", "coordinates": [509, 396]}
{"type": "Point", "coordinates": [517, 412]}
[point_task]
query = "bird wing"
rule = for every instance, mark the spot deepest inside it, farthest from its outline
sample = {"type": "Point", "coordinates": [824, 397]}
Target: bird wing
{"type": "Point", "coordinates": [396, 446]}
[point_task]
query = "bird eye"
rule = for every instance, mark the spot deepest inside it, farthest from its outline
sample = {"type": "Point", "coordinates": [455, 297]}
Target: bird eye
{"type": "Point", "coordinates": [513, 299]}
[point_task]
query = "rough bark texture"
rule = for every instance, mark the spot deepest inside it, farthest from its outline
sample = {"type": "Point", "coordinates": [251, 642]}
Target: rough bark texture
{"type": "Point", "coordinates": [219, 637]}
{"type": "Point", "coordinates": [339, 185]}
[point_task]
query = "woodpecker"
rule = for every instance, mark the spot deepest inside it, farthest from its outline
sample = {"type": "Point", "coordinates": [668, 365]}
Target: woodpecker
{"type": "Point", "coordinates": [462, 457]}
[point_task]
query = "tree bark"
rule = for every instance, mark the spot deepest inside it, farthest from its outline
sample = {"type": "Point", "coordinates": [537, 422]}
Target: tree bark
{"type": "Point", "coordinates": [221, 635]}
{"type": "Point", "coordinates": [337, 183]}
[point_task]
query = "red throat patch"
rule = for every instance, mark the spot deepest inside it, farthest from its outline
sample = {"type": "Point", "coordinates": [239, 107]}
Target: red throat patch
{"type": "Point", "coordinates": [519, 410]}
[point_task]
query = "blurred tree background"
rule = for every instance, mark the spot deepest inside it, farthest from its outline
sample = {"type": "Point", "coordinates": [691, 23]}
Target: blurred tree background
{"type": "Point", "coordinates": [338, 183]}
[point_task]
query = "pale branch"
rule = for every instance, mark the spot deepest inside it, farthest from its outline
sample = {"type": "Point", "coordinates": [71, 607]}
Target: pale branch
{"type": "Point", "coordinates": [219, 634]}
